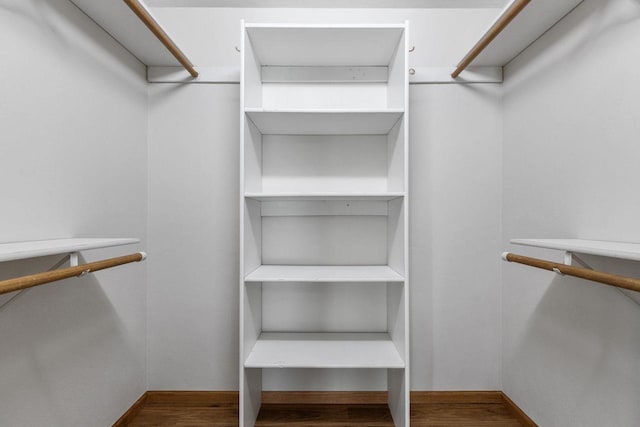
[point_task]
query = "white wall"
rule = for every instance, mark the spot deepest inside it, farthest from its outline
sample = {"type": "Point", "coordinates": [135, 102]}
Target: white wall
{"type": "Point", "coordinates": [456, 134]}
{"type": "Point", "coordinates": [209, 35]}
{"type": "Point", "coordinates": [72, 163]}
{"type": "Point", "coordinates": [193, 236]}
{"type": "Point", "coordinates": [572, 100]}
{"type": "Point", "coordinates": [455, 172]}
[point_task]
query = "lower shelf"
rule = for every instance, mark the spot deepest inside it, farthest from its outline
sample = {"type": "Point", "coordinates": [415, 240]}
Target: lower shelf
{"type": "Point", "coordinates": [324, 273]}
{"type": "Point", "coordinates": [324, 350]}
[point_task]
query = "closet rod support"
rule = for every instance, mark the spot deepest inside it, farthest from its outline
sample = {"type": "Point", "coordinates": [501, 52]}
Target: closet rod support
{"type": "Point", "coordinates": [615, 280]}
{"type": "Point", "coordinates": [30, 281]}
{"type": "Point", "coordinates": [570, 258]}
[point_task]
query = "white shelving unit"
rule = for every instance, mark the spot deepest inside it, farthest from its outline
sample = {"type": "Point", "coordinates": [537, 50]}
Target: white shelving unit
{"type": "Point", "coordinates": [37, 248]}
{"type": "Point", "coordinates": [324, 206]}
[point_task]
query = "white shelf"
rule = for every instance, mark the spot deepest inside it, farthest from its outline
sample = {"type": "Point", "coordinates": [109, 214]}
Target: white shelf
{"type": "Point", "coordinates": [324, 273]}
{"type": "Point", "coordinates": [265, 197]}
{"type": "Point", "coordinates": [324, 45]}
{"type": "Point", "coordinates": [116, 18]}
{"type": "Point", "coordinates": [621, 250]}
{"type": "Point", "coordinates": [37, 248]}
{"type": "Point", "coordinates": [531, 23]}
{"type": "Point", "coordinates": [324, 122]}
{"type": "Point", "coordinates": [324, 350]}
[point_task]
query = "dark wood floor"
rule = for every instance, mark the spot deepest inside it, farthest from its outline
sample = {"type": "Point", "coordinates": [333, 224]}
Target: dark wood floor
{"type": "Point", "coordinates": [326, 415]}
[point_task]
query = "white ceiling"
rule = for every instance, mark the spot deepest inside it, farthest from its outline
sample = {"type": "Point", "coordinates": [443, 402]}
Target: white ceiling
{"type": "Point", "coordinates": [331, 3]}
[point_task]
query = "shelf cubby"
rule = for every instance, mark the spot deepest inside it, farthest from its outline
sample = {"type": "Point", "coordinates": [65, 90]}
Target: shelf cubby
{"type": "Point", "coordinates": [350, 158]}
{"type": "Point", "coordinates": [337, 66]}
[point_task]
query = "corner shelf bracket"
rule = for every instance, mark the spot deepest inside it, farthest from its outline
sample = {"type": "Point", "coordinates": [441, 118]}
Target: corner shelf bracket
{"type": "Point", "coordinates": [570, 257]}
{"type": "Point", "coordinates": [571, 248]}
{"type": "Point", "coordinates": [73, 259]}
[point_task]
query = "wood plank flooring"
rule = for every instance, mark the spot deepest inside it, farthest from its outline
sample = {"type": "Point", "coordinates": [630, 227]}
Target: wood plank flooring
{"type": "Point", "coordinates": [225, 414]}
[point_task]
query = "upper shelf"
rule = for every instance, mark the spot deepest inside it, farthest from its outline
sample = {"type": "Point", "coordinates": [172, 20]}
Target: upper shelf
{"type": "Point", "coordinates": [621, 250]}
{"type": "Point", "coordinates": [324, 122]}
{"type": "Point", "coordinates": [37, 248]}
{"type": "Point", "coordinates": [531, 23]}
{"type": "Point", "coordinates": [119, 21]}
{"type": "Point", "coordinates": [116, 18]}
{"type": "Point", "coordinates": [324, 45]}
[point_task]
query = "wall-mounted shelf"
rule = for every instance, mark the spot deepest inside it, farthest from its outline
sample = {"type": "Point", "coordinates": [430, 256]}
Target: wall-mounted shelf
{"type": "Point", "coordinates": [571, 247]}
{"type": "Point", "coordinates": [324, 350]}
{"type": "Point", "coordinates": [324, 273]}
{"type": "Point", "coordinates": [620, 250]}
{"type": "Point", "coordinates": [535, 20]}
{"type": "Point", "coordinates": [38, 248]}
{"type": "Point", "coordinates": [116, 18]}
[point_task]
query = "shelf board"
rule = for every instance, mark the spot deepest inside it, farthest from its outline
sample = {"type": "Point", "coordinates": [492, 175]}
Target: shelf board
{"type": "Point", "coordinates": [324, 273]}
{"type": "Point", "coordinates": [529, 25]}
{"type": "Point", "coordinates": [122, 24]}
{"type": "Point", "coordinates": [621, 250]}
{"type": "Point", "coordinates": [324, 122]}
{"type": "Point", "coordinates": [324, 45]}
{"type": "Point", "coordinates": [265, 197]}
{"type": "Point", "coordinates": [324, 350]}
{"type": "Point", "coordinates": [37, 248]}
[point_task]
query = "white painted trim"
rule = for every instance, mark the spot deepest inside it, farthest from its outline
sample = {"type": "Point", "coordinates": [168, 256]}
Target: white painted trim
{"type": "Point", "coordinates": [423, 75]}
{"type": "Point", "coordinates": [205, 75]}
{"type": "Point", "coordinates": [430, 75]}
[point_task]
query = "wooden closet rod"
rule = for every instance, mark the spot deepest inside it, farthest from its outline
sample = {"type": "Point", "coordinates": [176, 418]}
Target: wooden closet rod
{"type": "Point", "coordinates": [500, 24]}
{"type": "Point", "coordinates": [25, 282]}
{"type": "Point", "coordinates": [148, 20]}
{"type": "Point", "coordinates": [583, 273]}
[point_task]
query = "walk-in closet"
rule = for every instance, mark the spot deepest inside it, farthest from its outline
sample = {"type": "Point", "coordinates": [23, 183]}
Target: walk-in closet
{"type": "Point", "coordinates": [319, 213]}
